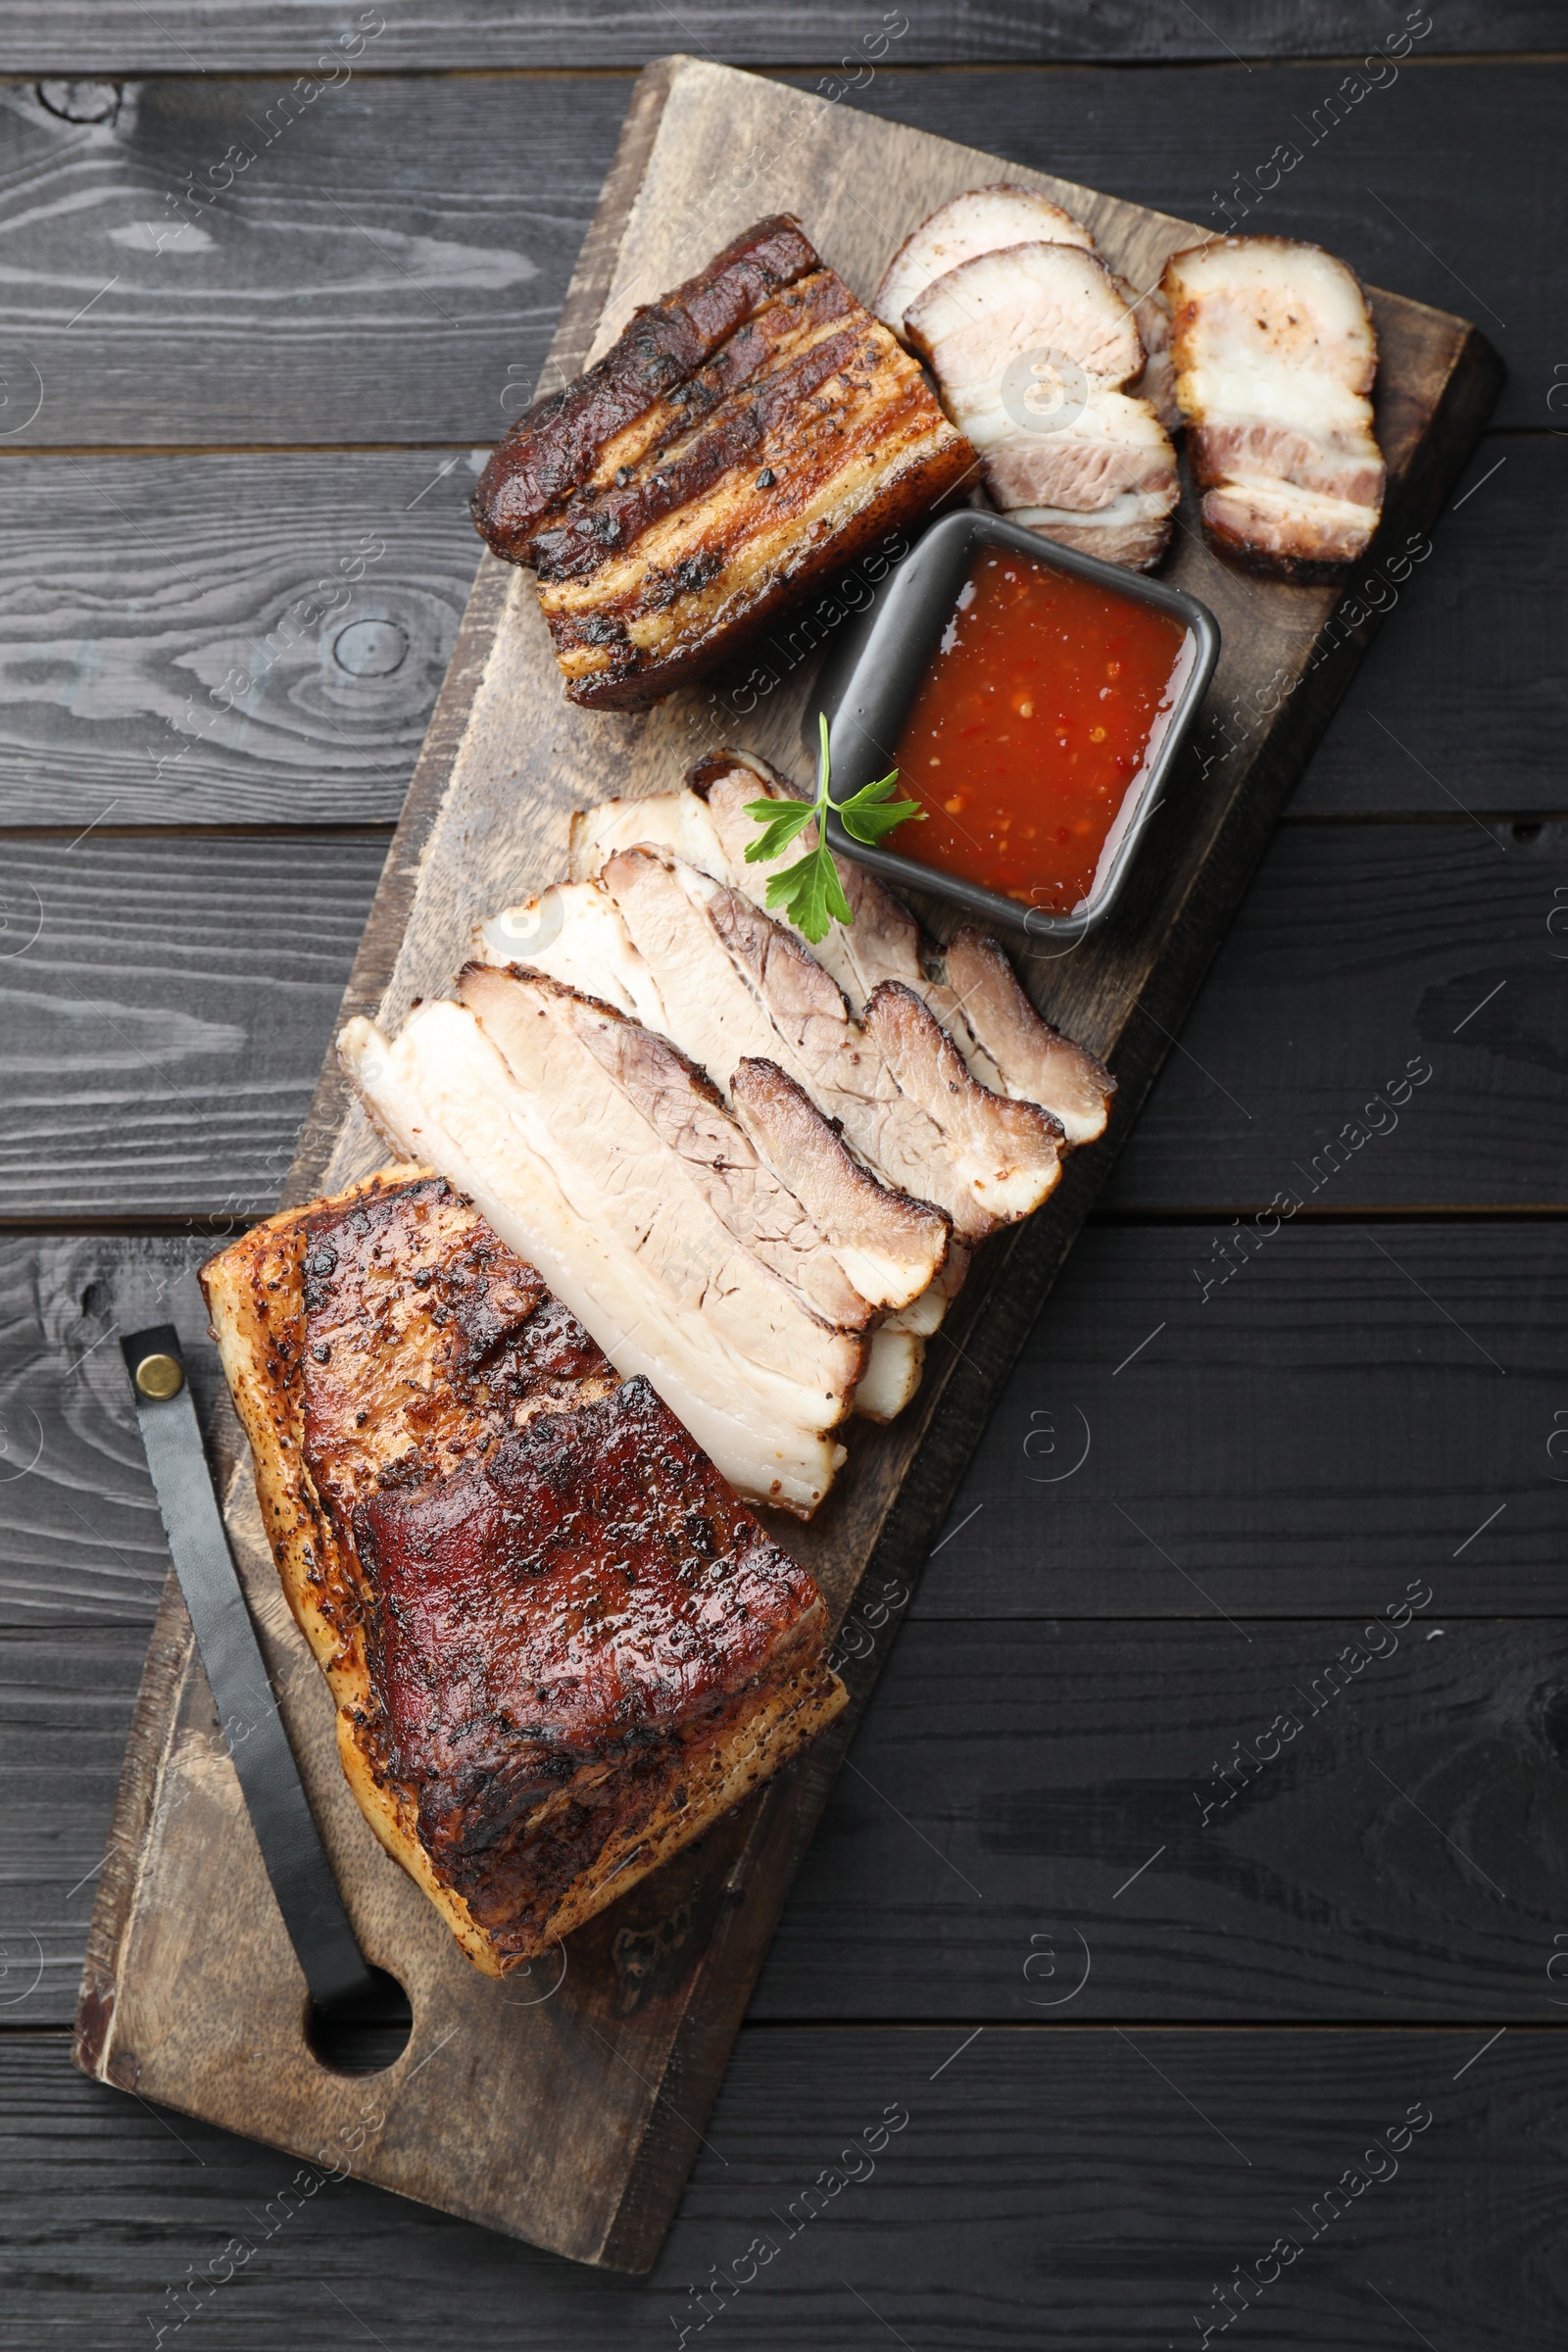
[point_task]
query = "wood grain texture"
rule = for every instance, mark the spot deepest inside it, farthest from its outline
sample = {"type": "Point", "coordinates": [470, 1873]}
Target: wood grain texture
{"type": "Point", "coordinates": [1463, 705]}
{"type": "Point", "coordinates": [83, 1541]}
{"type": "Point", "coordinates": [386, 268]}
{"type": "Point", "coordinates": [137, 595]}
{"type": "Point", "coordinates": [211, 557]}
{"type": "Point", "coordinates": [1358, 952]}
{"type": "Point", "coordinates": [164, 1013]}
{"type": "Point", "coordinates": [1051, 2188]}
{"type": "Point", "coordinates": [1344, 1411]}
{"type": "Point", "coordinates": [1317, 1821]}
{"type": "Point", "coordinates": [1316, 1429]}
{"type": "Point", "coordinates": [1392, 1851]}
{"type": "Point", "coordinates": [389, 268]}
{"type": "Point", "coordinates": [601, 2180]}
{"type": "Point", "coordinates": [77, 36]}
{"type": "Point", "coordinates": [1357, 948]}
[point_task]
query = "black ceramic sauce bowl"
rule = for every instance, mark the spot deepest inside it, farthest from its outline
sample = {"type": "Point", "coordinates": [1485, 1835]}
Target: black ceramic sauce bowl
{"type": "Point", "coordinates": [880, 659]}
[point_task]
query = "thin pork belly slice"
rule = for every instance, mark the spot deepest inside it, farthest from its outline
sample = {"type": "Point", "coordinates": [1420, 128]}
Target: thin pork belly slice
{"type": "Point", "coordinates": [1037, 1062]}
{"type": "Point", "coordinates": [890, 1246]}
{"type": "Point", "coordinates": [970, 986]}
{"type": "Point", "coordinates": [887, 1245]}
{"type": "Point", "coordinates": [572, 933]}
{"type": "Point", "coordinates": [1275, 356]}
{"type": "Point", "coordinates": [630, 1139]}
{"type": "Point", "coordinates": [980, 220]}
{"type": "Point", "coordinates": [543, 1029]}
{"type": "Point", "coordinates": [444, 1093]}
{"type": "Point", "coordinates": [989, 326]}
{"type": "Point", "coordinates": [738, 985]}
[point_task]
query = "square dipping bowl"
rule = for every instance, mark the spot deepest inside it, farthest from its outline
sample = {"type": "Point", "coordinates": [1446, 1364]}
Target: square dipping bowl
{"type": "Point", "coordinates": [880, 659]}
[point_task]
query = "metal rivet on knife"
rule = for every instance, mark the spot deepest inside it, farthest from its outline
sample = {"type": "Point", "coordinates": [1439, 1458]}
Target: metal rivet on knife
{"type": "Point", "coordinates": [159, 1377]}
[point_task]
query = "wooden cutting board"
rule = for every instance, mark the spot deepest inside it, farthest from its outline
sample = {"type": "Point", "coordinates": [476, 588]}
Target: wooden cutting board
{"type": "Point", "coordinates": [566, 2106]}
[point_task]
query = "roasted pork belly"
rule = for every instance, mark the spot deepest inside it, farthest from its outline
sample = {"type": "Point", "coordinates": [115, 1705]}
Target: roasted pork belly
{"type": "Point", "coordinates": [578, 434]}
{"type": "Point", "coordinates": [1003, 329]}
{"type": "Point", "coordinates": [445, 1090]}
{"type": "Point", "coordinates": [741, 442]}
{"type": "Point", "coordinates": [558, 1645]}
{"type": "Point", "coordinates": [1275, 356]}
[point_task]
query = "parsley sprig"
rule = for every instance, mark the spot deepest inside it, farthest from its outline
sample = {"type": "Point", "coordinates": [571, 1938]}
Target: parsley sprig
{"type": "Point", "coordinates": [809, 892]}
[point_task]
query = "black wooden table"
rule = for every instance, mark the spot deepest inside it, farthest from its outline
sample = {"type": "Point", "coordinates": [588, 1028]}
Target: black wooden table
{"type": "Point", "coordinates": [1197, 1888]}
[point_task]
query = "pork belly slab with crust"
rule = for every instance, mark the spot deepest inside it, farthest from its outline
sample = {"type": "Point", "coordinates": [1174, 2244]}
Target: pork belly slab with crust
{"type": "Point", "coordinates": [1275, 356]}
{"type": "Point", "coordinates": [1033, 347]}
{"type": "Point", "coordinates": [743, 440]}
{"type": "Point", "coordinates": [558, 1644]}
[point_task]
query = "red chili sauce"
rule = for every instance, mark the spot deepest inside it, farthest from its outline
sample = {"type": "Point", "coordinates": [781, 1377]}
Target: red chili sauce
{"type": "Point", "coordinates": [1041, 708]}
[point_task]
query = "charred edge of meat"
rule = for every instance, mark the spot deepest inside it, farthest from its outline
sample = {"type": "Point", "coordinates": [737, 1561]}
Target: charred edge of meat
{"type": "Point", "coordinates": [551, 449]}
{"type": "Point", "coordinates": [914, 490]}
{"type": "Point", "coordinates": [608, 522]}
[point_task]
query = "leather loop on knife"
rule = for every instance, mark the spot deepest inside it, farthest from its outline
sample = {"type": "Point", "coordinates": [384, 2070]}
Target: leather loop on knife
{"type": "Point", "coordinates": [247, 1706]}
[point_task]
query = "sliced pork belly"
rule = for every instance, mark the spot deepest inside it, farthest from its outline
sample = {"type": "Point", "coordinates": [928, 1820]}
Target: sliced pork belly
{"type": "Point", "coordinates": [444, 1093]}
{"type": "Point", "coordinates": [890, 1246]}
{"type": "Point", "coordinates": [985, 327]}
{"type": "Point", "coordinates": [574, 933]}
{"type": "Point", "coordinates": [631, 1131]}
{"type": "Point", "coordinates": [543, 1030]}
{"type": "Point", "coordinates": [736, 985]}
{"type": "Point", "coordinates": [970, 986]}
{"type": "Point", "coordinates": [1158, 383]}
{"type": "Point", "coordinates": [1275, 356]}
{"type": "Point", "coordinates": [980, 220]}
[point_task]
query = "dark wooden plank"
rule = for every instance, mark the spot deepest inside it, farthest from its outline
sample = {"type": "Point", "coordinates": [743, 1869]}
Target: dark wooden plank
{"type": "Point", "coordinates": [77, 36]}
{"type": "Point", "coordinates": [1359, 952]}
{"type": "Point", "coordinates": [165, 1014]}
{"type": "Point", "coordinates": [211, 557]}
{"type": "Point", "coordinates": [1314, 1821]}
{"type": "Point", "coordinates": [1463, 703]}
{"type": "Point", "coordinates": [166, 1017]}
{"type": "Point", "coordinates": [1342, 1414]}
{"type": "Point", "coordinates": [64, 1709]}
{"type": "Point", "coordinates": [137, 595]}
{"type": "Point", "coordinates": [389, 267]}
{"type": "Point", "coordinates": [1339, 1821]}
{"type": "Point", "coordinates": [1318, 1428]}
{"type": "Point", "coordinates": [1049, 2188]}
{"type": "Point", "coordinates": [386, 268]}
{"type": "Point", "coordinates": [83, 1541]}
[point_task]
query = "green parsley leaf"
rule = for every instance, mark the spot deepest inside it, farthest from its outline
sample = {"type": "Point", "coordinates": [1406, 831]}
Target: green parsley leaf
{"type": "Point", "coordinates": [809, 892]}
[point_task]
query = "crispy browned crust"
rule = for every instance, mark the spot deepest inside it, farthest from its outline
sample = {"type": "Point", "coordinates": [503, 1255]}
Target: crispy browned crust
{"type": "Point", "coordinates": [254, 1292]}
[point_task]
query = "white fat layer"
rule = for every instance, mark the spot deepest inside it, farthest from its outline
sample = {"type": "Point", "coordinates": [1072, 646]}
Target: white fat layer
{"type": "Point", "coordinates": [572, 932]}
{"type": "Point", "coordinates": [444, 1095]}
{"type": "Point", "coordinates": [1231, 385]}
{"type": "Point", "coordinates": [1132, 506]}
{"type": "Point", "coordinates": [922, 1315]}
{"type": "Point", "coordinates": [892, 1376]}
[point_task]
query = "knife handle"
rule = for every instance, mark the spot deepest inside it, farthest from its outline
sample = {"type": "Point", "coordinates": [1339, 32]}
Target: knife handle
{"type": "Point", "coordinates": [247, 1706]}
